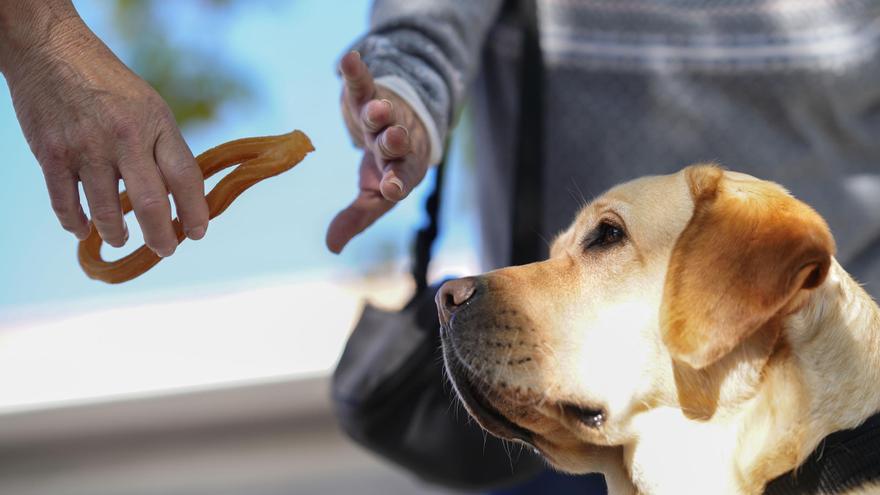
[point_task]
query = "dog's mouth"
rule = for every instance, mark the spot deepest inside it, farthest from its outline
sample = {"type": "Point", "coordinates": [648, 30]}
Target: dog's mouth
{"type": "Point", "coordinates": [476, 402]}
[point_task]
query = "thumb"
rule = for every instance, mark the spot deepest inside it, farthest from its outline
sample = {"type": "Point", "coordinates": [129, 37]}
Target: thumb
{"type": "Point", "coordinates": [367, 207]}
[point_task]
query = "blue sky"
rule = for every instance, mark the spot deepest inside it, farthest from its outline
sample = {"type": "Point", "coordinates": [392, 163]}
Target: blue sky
{"type": "Point", "coordinates": [288, 51]}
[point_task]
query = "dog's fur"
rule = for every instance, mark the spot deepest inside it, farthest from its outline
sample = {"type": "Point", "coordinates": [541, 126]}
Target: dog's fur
{"type": "Point", "coordinates": [718, 336]}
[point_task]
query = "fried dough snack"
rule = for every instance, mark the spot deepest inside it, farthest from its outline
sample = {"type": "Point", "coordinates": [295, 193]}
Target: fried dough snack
{"type": "Point", "coordinates": [260, 158]}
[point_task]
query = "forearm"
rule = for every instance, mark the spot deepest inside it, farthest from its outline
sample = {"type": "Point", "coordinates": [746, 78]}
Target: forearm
{"type": "Point", "coordinates": [431, 50]}
{"type": "Point", "coordinates": [30, 27]}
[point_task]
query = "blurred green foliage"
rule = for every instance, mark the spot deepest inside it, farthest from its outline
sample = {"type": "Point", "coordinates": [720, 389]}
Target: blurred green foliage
{"type": "Point", "coordinates": [194, 83]}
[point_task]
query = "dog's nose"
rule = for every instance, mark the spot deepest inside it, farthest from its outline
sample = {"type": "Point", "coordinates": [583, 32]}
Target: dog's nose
{"type": "Point", "coordinates": [453, 294]}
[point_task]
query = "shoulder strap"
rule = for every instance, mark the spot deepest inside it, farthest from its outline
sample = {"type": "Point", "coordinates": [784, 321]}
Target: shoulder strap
{"type": "Point", "coordinates": [425, 236]}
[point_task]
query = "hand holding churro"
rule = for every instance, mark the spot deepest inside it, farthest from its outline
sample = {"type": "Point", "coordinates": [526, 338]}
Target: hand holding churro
{"type": "Point", "coordinates": [90, 120]}
{"type": "Point", "coordinates": [260, 158]}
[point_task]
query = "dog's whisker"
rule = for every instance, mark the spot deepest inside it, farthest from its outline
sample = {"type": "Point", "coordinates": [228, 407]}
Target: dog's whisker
{"type": "Point", "coordinates": [506, 445]}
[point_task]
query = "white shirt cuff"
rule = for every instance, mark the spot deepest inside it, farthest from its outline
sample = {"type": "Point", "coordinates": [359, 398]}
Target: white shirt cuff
{"type": "Point", "coordinates": [402, 88]}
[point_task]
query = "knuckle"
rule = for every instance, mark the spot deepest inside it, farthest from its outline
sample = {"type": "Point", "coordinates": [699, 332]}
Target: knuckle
{"type": "Point", "coordinates": [152, 204]}
{"type": "Point", "coordinates": [164, 112]}
{"type": "Point", "coordinates": [184, 167]}
{"type": "Point", "coordinates": [125, 128]}
{"type": "Point", "coordinates": [105, 214]}
{"type": "Point", "coordinates": [69, 226]}
{"type": "Point", "coordinates": [52, 151]}
{"type": "Point", "coordinates": [188, 189]}
{"type": "Point", "coordinates": [64, 211]}
{"type": "Point", "coordinates": [355, 81]}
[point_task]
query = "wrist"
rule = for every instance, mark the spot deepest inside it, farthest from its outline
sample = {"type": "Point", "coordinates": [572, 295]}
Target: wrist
{"type": "Point", "coordinates": [31, 30]}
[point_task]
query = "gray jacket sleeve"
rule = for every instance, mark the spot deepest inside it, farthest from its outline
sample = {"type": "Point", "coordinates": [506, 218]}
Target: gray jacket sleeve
{"type": "Point", "coordinates": [433, 45]}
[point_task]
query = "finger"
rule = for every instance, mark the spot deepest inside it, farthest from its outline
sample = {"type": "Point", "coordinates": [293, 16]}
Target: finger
{"type": "Point", "coordinates": [64, 197]}
{"type": "Point", "coordinates": [358, 80]}
{"type": "Point", "coordinates": [149, 199]}
{"type": "Point", "coordinates": [367, 207]}
{"type": "Point", "coordinates": [392, 143]}
{"type": "Point", "coordinates": [185, 180]}
{"type": "Point", "coordinates": [360, 214]}
{"type": "Point", "coordinates": [101, 186]}
{"type": "Point", "coordinates": [377, 115]}
{"type": "Point", "coordinates": [400, 178]}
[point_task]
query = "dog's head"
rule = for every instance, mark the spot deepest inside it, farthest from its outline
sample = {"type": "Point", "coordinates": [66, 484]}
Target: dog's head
{"type": "Point", "coordinates": [665, 291]}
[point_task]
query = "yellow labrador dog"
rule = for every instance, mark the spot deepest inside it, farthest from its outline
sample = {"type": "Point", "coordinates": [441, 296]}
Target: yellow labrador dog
{"type": "Point", "coordinates": [689, 334]}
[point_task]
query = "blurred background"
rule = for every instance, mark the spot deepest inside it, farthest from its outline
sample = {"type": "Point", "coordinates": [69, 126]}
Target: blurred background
{"type": "Point", "coordinates": [209, 374]}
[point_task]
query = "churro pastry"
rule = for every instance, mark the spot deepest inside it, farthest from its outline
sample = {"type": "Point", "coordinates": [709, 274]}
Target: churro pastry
{"type": "Point", "coordinates": [260, 158]}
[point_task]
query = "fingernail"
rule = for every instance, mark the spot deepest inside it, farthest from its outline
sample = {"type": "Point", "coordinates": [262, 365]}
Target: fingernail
{"type": "Point", "coordinates": [389, 105]}
{"type": "Point", "coordinates": [164, 253]}
{"type": "Point", "coordinates": [125, 227]}
{"type": "Point", "coordinates": [356, 54]}
{"type": "Point", "coordinates": [196, 233]}
{"type": "Point", "coordinates": [397, 183]}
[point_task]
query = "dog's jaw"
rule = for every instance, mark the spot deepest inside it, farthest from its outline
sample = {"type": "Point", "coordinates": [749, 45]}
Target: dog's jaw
{"type": "Point", "coordinates": [470, 394]}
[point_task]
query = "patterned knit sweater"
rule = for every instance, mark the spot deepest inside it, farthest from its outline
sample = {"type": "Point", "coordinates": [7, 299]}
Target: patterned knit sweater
{"type": "Point", "coordinates": [786, 90]}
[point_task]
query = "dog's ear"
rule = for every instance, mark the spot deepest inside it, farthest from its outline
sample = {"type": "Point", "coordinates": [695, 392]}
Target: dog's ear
{"type": "Point", "coordinates": [747, 251]}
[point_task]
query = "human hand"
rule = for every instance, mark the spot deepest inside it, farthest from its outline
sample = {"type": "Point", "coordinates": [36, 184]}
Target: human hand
{"type": "Point", "coordinates": [88, 118]}
{"type": "Point", "coordinates": [396, 150]}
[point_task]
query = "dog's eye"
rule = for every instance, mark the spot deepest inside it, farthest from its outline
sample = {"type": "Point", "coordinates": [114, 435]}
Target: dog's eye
{"type": "Point", "coordinates": [604, 235]}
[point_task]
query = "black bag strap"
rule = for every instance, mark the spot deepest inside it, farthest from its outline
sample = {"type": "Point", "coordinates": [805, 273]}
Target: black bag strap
{"type": "Point", "coordinates": [424, 241]}
{"type": "Point", "coordinates": [527, 197]}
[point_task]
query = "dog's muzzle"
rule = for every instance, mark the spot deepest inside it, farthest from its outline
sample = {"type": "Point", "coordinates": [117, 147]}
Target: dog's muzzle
{"type": "Point", "coordinates": [456, 304]}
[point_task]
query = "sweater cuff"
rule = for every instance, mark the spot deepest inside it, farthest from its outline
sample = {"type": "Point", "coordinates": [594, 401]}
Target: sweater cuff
{"type": "Point", "coordinates": [402, 88]}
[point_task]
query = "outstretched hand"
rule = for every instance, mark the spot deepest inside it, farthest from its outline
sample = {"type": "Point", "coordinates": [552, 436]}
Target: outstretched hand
{"type": "Point", "coordinates": [396, 150]}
